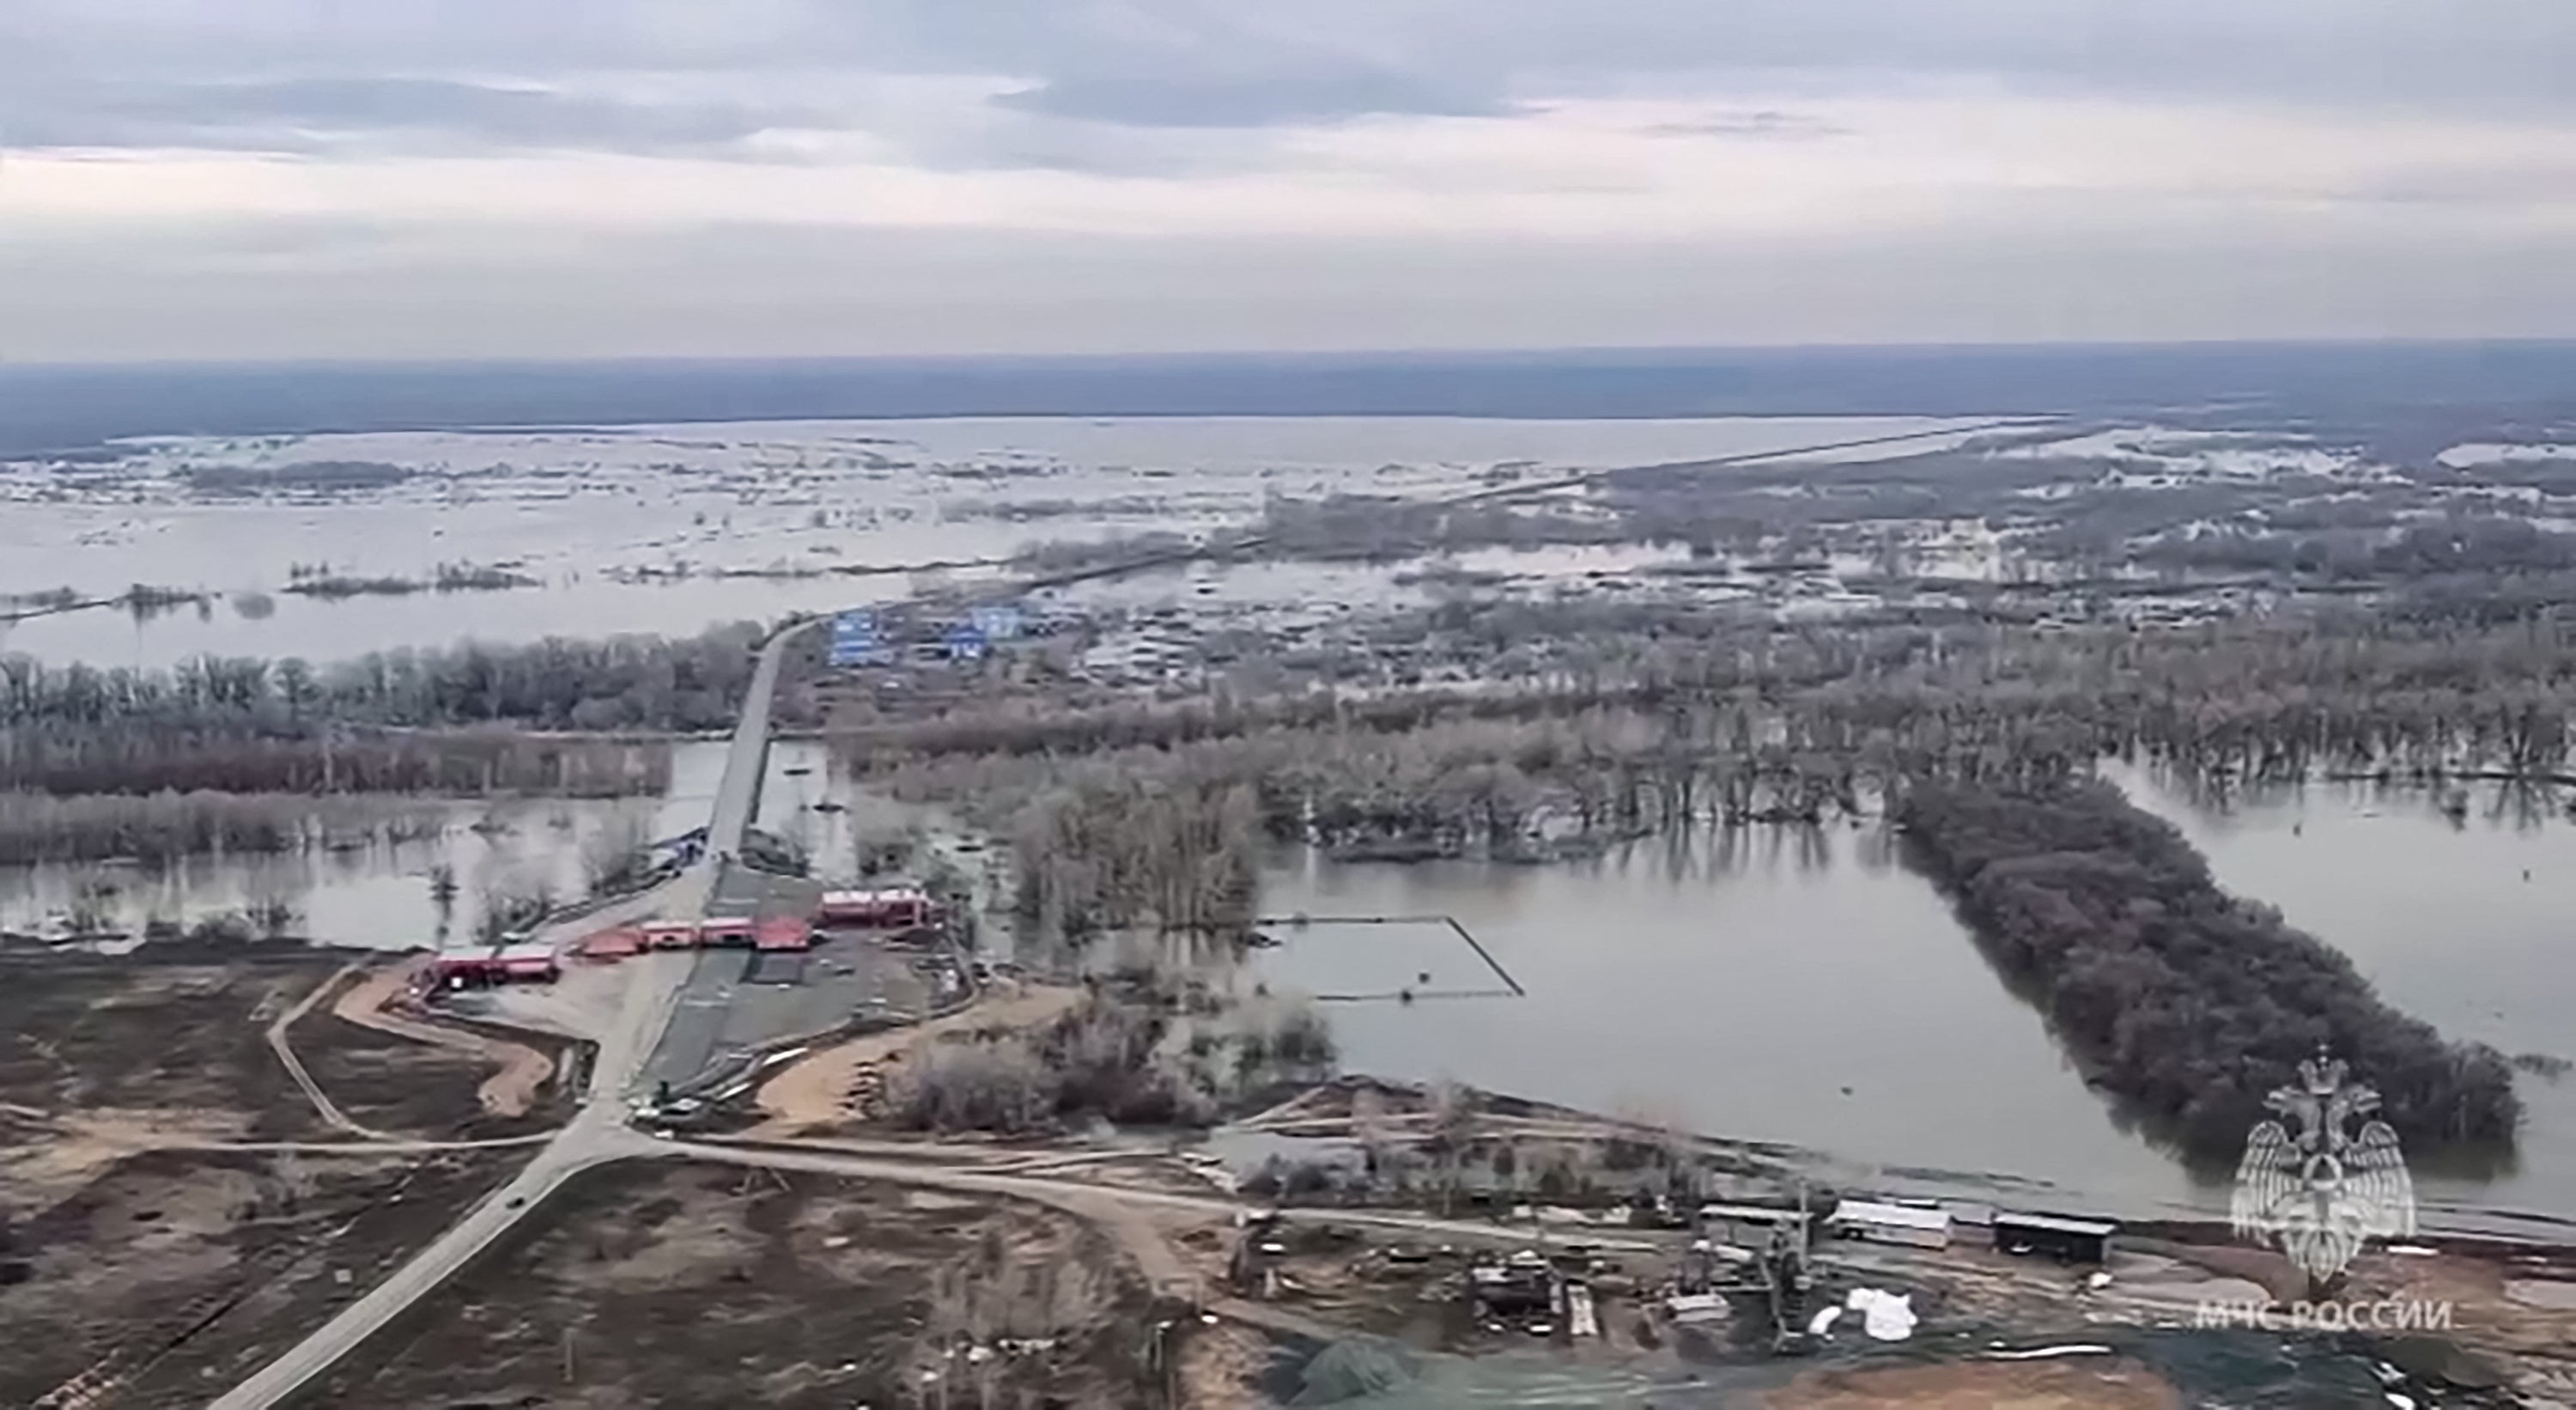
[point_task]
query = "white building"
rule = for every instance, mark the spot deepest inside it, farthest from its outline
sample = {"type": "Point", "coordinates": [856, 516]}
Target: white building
{"type": "Point", "coordinates": [1875, 1222]}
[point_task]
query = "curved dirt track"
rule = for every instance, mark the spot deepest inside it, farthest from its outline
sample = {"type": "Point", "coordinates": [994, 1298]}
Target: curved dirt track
{"type": "Point", "coordinates": [511, 1091]}
{"type": "Point", "coordinates": [814, 1090]}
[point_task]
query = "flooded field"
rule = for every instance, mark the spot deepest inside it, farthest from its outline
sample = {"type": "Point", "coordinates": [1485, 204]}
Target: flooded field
{"type": "Point", "coordinates": [1748, 986]}
{"type": "Point", "coordinates": [381, 895]}
{"type": "Point", "coordinates": [2462, 922]}
{"type": "Point", "coordinates": [1817, 993]}
{"type": "Point", "coordinates": [671, 529]}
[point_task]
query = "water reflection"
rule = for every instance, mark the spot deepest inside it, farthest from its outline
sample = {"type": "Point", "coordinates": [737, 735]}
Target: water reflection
{"type": "Point", "coordinates": [375, 894]}
{"type": "Point", "coordinates": [2452, 902]}
{"type": "Point", "coordinates": [1769, 983]}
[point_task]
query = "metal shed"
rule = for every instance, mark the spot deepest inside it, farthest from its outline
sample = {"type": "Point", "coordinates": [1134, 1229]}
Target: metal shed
{"type": "Point", "coordinates": [1876, 1222]}
{"type": "Point", "coordinates": [2067, 1240]}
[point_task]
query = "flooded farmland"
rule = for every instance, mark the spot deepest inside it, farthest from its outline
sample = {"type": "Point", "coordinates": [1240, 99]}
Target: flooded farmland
{"type": "Point", "coordinates": [2461, 921]}
{"type": "Point", "coordinates": [378, 893]}
{"type": "Point", "coordinates": [375, 894]}
{"type": "Point", "coordinates": [1760, 985]}
{"type": "Point", "coordinates": [670, 529]}
{"type": "Point", "coordinates": [1808, 989]}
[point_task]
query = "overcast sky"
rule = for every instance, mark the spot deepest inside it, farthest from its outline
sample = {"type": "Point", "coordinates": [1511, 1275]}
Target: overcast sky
{"type": "Point", "coordinates": [267, 178]}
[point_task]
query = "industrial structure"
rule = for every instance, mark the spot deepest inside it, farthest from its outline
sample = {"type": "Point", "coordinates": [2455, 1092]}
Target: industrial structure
{"type": "Point", "coordinates": [2066, 1240]}
{"type": "Point", "coordinates": [1871, 1221]}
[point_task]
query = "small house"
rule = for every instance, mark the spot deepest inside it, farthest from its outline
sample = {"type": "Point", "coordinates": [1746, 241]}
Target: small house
{"type": "Point", "coordinates": [1751, 1225]}
{"type": "Point", "coordinates": [1872, 1221]}
{"type": "Point", "coordinates": [2066, 1240]}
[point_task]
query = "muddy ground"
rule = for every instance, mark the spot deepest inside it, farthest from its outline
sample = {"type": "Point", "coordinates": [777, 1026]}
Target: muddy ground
{"type": "Point", "coordinates": [171, 1275]}
{"type": "Point", "coordinates": [179, 1033]}
{"type": "Point", "coordinates": [650, 1284]}
{"type": "Point", "coordinates": [2100, 1383]}
{"type": "Point", "coordinates": [394, 1083]}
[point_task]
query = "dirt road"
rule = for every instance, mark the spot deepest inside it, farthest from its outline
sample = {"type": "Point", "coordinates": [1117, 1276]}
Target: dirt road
{"type": "Point", "coordinates": [281, 1042]}
{"type": "Point", "coordinates": [510, 1091]}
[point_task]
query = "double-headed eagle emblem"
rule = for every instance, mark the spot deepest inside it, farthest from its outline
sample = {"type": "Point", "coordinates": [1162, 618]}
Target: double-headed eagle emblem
{"type": "Point", "coordinates": [2323, 1192]}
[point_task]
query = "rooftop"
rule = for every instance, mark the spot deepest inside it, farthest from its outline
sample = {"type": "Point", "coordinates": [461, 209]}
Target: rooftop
{"type": "Point", "coordinates": [1895, 1215]}
{"type": "Point", "coordinates": [2091, 1228]}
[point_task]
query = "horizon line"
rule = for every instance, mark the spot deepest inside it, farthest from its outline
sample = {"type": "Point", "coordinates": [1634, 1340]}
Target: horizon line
{"type": "Point", "coordinates": [10, 365]}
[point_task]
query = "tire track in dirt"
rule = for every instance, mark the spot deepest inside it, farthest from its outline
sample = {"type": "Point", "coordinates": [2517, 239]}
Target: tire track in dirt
{"type": "Point", "coordinates": [281, 1043]}
{"type": "Point", "coordinates": [510, 1091]}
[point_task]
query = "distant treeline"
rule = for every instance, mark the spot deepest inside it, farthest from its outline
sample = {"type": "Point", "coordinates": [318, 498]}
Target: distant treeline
{"type": "Point", "coordinates": [2271, 698]}
{"type": "Point", "coordinates": [161, 827]}
{"type": "Point", "coordinates": [449, 577]}
{"type": "Point", "coordinates": [624, 682]}
{"type": "Point", "coordinates": [399, 720]}
{"type": "Point", "coordinates": [2186, 1003]}
{"type": "Point", "coordinates": [136, 758]}
{"type": "Point", "coordinates": [324, 476]}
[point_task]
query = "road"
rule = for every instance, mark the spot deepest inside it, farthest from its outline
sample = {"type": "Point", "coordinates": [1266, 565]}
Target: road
{"type": "Point", "coordinates": [1090, 1197]}
{"type": "Point", "coordinates": [279, 1044]}
{"type": "Point", "coordinates": [597, 1134]}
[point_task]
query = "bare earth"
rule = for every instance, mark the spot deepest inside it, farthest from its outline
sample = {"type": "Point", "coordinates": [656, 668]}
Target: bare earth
{"type": "Point", "coordinates": [523, 1071]}
{"type": "Point", "coordinates": [2087, 1383]}
{"type": "Point", "coordinates": [814, 1090]}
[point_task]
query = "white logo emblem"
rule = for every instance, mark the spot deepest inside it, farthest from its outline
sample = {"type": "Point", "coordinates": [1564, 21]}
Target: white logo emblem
{"type": "Point", "coordinates": [2321, 1194]}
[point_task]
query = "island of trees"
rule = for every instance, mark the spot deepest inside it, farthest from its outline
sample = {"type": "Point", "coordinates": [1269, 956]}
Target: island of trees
{"type": "Point", "coordinates": [2186, 1003]}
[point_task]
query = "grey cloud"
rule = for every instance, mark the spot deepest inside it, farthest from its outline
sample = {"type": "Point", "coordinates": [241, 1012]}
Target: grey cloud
{"type": "Point", "coordinates": [1764, 122]}
{"type": "Point", "coordinates": [327, 114]}
{"type": "Point", "coordinates": [1097, 76]}
{"type": "Point", "coordinates": [1249, 100]}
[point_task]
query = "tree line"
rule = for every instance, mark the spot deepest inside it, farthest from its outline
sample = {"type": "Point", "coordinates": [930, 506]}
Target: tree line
{"type": "Point", "coordinates": [2185, 1002]}
{"type": "Point", "coordinates": [624, 682]}
{"type": "Point", "coordinates": [162, 827]}
{"type": "Point", "coordinates": [464, 762]}
{"type": "Point", "coordinates": [461, 720]}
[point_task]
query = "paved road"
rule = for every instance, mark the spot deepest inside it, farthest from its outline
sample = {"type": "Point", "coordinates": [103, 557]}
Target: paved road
{"type": "Point", "coordinates": [597, 1134]}
{"type": "Point", "coordinates": [739, 795]}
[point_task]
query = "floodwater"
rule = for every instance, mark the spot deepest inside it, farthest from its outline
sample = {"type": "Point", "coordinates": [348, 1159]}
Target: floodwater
{"type": "Point", "coordinates": [375, 896]}
{"type": "Point", "coordinates": [1807, 989]}
{"type": "Point", "coordinates": [1764, 984]}
{"type": "Point", "coordinates": [379, 896]}
{"type": "Point", "coordinates": [632, 529]}
{"type": "Point", "coordinates": [2464, 924]}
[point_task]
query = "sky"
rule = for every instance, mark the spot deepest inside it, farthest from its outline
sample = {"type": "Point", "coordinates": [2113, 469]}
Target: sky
{"type": "Point", "coordinates": [240, 179]}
